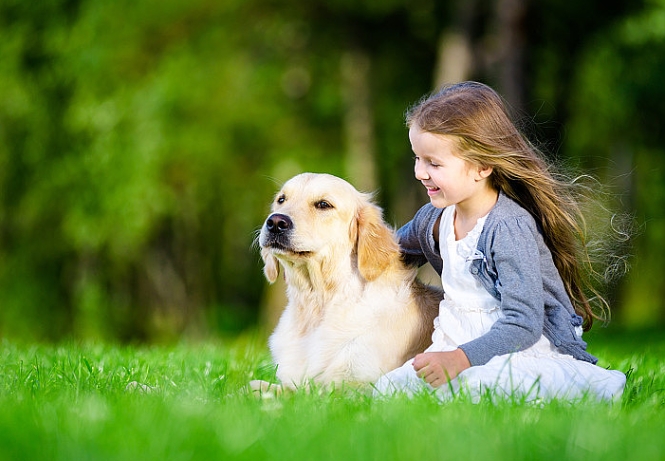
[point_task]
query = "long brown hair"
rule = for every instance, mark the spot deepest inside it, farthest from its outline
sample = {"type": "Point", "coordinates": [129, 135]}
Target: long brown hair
{"type": "Point", "coordinates": [478, 117]}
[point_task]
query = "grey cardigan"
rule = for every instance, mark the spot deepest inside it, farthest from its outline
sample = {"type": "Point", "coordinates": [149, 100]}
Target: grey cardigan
{"type": "Point", "coordinates": [513, 263]}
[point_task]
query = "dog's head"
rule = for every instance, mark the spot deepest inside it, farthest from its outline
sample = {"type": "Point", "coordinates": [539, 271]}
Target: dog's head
{"type": "Point", "coordinates": [324, 217]}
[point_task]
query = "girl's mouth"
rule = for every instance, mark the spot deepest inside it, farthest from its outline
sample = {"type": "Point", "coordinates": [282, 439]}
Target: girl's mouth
{"type": "Point", "coordinates": [432, 190]}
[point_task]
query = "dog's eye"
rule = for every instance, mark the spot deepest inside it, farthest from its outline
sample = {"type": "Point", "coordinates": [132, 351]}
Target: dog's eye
{"type": "Point", "coordinates": [281, 199]}
{"type": "Point", "coordinates": [323, 205]}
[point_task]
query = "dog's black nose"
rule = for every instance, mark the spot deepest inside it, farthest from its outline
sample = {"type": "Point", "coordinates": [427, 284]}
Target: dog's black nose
{"type": "Point", "coordinates": [278, 223]}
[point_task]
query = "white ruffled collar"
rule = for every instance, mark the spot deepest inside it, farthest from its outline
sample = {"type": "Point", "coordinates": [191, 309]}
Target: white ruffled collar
{"type": "Point", "coordinates": [466, 246]}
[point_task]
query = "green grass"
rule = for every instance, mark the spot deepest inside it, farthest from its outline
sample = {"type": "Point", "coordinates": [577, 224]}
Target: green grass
{"type": "Point", "coordinates": [75, 402]}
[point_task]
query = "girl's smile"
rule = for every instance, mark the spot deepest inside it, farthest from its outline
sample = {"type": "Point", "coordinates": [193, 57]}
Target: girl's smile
{"type": "Point", "coordinates": [432, 191]}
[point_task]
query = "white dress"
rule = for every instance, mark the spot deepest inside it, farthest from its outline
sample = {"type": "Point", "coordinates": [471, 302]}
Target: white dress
{"type": "Point", "coordinates": [468, 311]}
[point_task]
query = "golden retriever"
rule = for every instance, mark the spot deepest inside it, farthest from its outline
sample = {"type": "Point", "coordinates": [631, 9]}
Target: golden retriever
{"type": "Point", "coordinates": [354, 311]}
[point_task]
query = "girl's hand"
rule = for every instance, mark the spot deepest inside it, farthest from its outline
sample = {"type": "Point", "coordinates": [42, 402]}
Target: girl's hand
{"type": "Point", "coordinates": [437, 368]}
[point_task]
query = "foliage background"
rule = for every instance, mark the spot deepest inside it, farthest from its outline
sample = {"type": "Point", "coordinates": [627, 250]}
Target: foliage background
{"type": "Point", "coordinates": [141, 141]}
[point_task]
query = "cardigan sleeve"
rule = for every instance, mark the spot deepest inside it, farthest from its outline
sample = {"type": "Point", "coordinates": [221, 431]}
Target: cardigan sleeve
{"type": "Point", "coordinates": [416, 238]}
{"type": "Point", "coordinates": [513, 252]}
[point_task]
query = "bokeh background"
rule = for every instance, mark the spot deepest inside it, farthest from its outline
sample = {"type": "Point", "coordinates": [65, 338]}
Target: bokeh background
{"type": "Point", "coordinates": [141, 141]}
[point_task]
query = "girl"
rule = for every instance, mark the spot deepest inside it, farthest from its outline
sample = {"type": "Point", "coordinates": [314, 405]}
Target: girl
{"type": "Point", "coordinates": [502, 232]}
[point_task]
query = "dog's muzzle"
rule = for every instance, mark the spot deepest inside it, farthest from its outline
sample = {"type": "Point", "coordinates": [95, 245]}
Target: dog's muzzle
{"type": "Point", "coordinates": [278, 223]}
{"type": "Point", "coordinates": [276, 232]}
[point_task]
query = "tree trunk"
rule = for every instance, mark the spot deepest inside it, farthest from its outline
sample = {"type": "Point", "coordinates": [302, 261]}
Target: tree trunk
{"type": "Point", "coordinates": [359, 132]}
{"type": "Point", "coordinates": [509, 52]}
{"type": "Point", "coordinates": [455, 57]}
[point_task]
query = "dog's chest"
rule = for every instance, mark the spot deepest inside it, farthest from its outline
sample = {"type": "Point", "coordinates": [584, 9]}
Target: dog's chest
{"type": "Point", "coordinates": [338, 322]}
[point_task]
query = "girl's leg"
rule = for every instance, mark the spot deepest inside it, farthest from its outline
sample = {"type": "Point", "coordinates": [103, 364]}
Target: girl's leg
{"type": "Point", "coordinates": [403, 379]}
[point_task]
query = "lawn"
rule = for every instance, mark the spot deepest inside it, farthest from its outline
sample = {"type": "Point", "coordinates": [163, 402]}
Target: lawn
{"type": "Point", "coordinates": [188, 401]}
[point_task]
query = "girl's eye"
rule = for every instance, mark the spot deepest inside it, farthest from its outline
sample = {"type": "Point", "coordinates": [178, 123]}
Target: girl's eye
{"type": "Point", "coordinates": [430, 163]}
{"type": "Point", "coordinates": [323, 205]}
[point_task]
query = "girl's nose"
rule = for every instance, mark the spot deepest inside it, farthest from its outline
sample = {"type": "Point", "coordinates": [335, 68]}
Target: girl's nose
{"type": "Point", "coordinates": [420, 171]}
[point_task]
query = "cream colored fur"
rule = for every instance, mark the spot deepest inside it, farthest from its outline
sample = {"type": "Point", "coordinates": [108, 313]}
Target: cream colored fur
{"type": "Point", "coordinates": [354, 310]}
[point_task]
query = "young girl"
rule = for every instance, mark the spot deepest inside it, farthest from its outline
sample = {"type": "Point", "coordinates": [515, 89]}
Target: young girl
{"type": "Point", "coordinates": [502, 232]}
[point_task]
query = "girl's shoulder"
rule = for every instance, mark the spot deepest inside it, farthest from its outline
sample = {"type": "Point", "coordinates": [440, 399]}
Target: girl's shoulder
{"type": "Point", "coordinates": [507, 209]}
{"type": "Point", "coordinates": [509, 217]}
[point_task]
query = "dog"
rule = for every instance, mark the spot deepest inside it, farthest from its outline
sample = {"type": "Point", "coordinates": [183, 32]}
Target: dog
{"type": "Point", "coordinates": [355, 311]}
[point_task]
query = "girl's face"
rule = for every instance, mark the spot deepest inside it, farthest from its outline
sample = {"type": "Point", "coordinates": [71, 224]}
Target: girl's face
{"type": "Point", "coordinates": [449, 179]}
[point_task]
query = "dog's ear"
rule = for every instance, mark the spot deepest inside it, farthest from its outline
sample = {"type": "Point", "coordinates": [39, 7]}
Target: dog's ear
{"type": "Point", "coordinates": [376, 245]}
{"type": "Point", "coordinates": [271, 265]}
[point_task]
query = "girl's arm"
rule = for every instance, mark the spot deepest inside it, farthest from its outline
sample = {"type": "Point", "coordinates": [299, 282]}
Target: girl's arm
{"type": "Point", "coordinates": [516, 247]}
{"type": "Point", "coordinates": [418, 239]}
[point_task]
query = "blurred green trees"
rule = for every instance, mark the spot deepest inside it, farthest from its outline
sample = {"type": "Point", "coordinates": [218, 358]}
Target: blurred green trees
{"type": "Point", "coordinates": [141, 142]}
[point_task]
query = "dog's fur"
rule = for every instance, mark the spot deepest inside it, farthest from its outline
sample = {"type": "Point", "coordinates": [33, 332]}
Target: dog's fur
{"type": "Point", "coordinates": [355, 311]}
